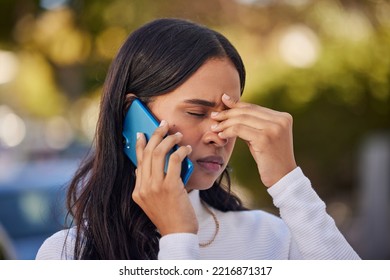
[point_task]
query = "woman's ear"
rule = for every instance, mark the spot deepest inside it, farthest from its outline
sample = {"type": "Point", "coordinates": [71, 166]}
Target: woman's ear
{"type": "Point", "coordinates": [129, 97]}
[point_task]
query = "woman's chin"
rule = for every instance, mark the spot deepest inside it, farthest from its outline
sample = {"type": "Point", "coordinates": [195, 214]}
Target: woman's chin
{"type": "Point", "coordinates": [201, 180]}
{"type": "Point", "coordinates": [197, 185]}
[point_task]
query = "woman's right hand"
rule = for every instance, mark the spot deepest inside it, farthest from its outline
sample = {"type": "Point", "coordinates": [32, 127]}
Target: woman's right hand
{"type": "Point", "coordinates": [162, 196]}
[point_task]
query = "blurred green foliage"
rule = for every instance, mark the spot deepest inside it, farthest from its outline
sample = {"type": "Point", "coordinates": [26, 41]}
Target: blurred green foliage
{"type": "Point", "coordinates": [337, 98]}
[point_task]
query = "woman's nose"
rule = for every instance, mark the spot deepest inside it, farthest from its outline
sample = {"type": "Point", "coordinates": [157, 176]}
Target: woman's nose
{"type": "Point", "coordinates": [211, 137]}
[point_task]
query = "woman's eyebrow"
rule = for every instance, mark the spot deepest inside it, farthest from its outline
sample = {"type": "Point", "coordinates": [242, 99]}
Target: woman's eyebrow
{"type": "Point", "coordinates": [200, 102]}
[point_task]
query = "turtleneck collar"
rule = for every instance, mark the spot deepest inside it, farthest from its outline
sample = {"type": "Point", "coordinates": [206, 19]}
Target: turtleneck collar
{"type": "Point", "coordinates": [201, 213]}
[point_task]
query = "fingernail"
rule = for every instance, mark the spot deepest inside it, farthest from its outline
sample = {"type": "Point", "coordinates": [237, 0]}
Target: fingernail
{"type": "Point", "coordinates": [214, 126]}
{"type": "Point", "coordinates": [225, 96]}
{"type": "Point", "coordinates": [163, 122]}
{"type": "Point", "coordinates": [189, 146]}
{"type": "Point", "coordinates": [179, 134]}
{"type": "Point", "coordinates": [139, 135]}
{"type": "Point", "coordinates": [214, 114]}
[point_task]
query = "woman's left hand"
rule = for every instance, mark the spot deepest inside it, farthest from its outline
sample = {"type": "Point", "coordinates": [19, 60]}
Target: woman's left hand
{"type": "Point", "coordinates": [268, 134]}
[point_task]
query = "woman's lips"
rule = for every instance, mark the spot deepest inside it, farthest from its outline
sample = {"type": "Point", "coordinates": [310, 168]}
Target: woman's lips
{"type": "Point", "coordinates": [211, 163]}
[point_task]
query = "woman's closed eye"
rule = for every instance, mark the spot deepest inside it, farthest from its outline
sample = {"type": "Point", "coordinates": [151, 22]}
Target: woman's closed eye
{"type": "Point", "coordinates": [197, 114]}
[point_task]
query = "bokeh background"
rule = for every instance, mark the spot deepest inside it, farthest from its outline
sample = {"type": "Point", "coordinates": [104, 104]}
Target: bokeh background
{"type": "Point", "coordinates": [326, 62]}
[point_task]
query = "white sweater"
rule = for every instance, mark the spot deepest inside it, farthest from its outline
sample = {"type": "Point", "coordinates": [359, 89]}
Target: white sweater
{"type": "Point", "coordinates": [305, 231]}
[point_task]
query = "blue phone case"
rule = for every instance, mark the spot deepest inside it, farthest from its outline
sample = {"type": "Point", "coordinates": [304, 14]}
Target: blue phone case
{"type": "Point", "coordinates": [140, 119]}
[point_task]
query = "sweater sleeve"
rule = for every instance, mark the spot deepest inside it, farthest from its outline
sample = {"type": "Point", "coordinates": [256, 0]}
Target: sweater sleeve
{"type": "Point", "coordinates": [313, 231]}
{"type": "Point", "coordinates": [59, 246]}
{"type": "Point", "coordinates": [179, 246]}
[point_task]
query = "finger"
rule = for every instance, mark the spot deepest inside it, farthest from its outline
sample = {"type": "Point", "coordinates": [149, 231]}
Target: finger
{"type": "Point", "coordinates": [138, 182]}
{"type": "Point", "coordinates": [244, 132]}
{"type": "Point", "coordinates": [151, 144]}
{"type": "Point", "coordinates": [160, 154]}
{"type": "Point", "coordinates": [175, 161]}
{"type": "Point", "coordinates": [233, 103]}
{"type": "Point", "coordinates": [241, 119]}
{"type": "Point", "coordinates": [228, 101]}
{"type": "Point", "coordinates": [139, 148]}
{"type": "Point", "coordinates": [157, 136]}
{"type": "Point", "coordinates": [243, 108]}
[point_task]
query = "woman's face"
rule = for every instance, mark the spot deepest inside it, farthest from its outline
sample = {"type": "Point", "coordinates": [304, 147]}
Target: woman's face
{"type": "Point", "coordinates": [187, 109]}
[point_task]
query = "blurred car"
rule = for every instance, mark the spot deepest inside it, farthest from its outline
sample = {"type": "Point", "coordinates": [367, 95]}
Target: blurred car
{"type": "Point", "coordinates": [32, 202]}
{"type": "Point", "coordinates": [7, 252]}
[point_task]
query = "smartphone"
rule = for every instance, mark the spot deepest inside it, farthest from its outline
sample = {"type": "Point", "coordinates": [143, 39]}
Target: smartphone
{"type": "Point", "coordinates": [139, 119]}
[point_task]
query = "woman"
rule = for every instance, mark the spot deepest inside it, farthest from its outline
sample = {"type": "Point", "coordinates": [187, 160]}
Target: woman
{"type": "Point", "coordinates": [191, 78]}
